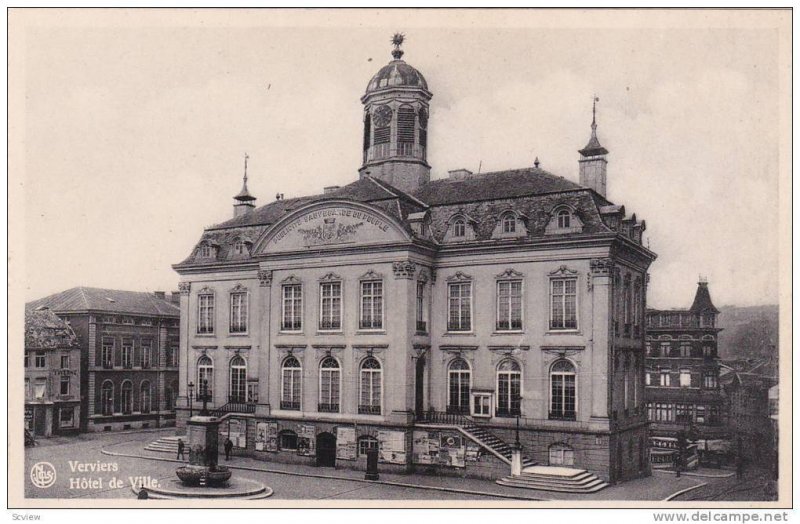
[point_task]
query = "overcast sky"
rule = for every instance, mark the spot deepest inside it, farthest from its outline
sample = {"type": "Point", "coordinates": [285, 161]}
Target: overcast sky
{"type": "Point", "coordinates": [136, 128]}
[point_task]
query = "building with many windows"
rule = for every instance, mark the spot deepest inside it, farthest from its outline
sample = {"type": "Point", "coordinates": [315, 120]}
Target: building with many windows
{"type": "Point", "coordinates": [683, 367]}
{"type": "Point", "coordinates": [52, 375]}
{"type": "Point", "coordinates": [128, 346]}
{"type": "Point", "coordinates": [425, 318]}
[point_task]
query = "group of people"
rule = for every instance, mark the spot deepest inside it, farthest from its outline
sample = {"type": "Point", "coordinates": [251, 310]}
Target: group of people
{"type": "Point", "coordinates": [182, 446]}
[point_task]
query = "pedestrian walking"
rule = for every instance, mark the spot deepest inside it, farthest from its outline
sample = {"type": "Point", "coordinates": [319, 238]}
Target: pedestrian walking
{"type": "Point", "coordinates": [180, 450]}
{"type": "Point", "coordinates": [228, 448]}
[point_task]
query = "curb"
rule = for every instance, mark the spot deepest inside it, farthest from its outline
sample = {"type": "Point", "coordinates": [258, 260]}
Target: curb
{"type": "Point", "coordinates": [686, 490]}
{"type": "Point", "coordinates": [335, 477]}
{"type": "Point", "coordinates": [700, 475]}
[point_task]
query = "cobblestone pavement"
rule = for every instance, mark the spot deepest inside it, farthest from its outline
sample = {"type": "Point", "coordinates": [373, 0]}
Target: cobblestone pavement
{"type": "Point", "coordinates": [124, 452]}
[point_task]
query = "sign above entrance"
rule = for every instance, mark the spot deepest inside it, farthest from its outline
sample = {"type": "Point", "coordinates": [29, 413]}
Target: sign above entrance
{"type": "Point", "coordinates": [332, 225]}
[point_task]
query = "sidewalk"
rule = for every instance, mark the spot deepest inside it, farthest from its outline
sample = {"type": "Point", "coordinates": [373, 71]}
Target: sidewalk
{"type": "Point", "coordinates": [650, 488]}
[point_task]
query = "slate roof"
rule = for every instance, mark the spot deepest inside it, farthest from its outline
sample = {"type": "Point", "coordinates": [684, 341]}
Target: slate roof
{"type": "Point", "coordinates": [109, 300]}
{"type": "Point", "coordinates": [45, 330]}
{"type": "Point", "coordinates": [395, 74]}
{"type": "Point", "coordinates": [702, 300]}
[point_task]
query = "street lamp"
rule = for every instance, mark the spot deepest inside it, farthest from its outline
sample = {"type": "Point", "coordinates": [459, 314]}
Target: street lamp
{"type": "Point", "coordinates": [518, 401]}
{"type": "Point", "coordinates": [204, 396]}
{"type": "Point", "coordinates": [191, 391]}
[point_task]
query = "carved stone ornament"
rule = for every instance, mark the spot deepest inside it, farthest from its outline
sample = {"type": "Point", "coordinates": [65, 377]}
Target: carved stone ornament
{"type": "Point", "coordinates": [404, 269]}
{"type": "Point", "coordinates": [371, 275]}
{"type": "Point", "coordinates": [265, 277]}
{"type": "Point", "coordinates": [330, 277]}
{"type": "Point", "coordinates": [601, 266]}
{"type": "Point", "coordinates": [563, 271]}
{"type": "Point", "coordinates": [239, 288]}
{"type": "Point", "coordinates": [509, 274]}
{"type": "Point", "coordinates": [291, 280]}
{"type": "Point", "coordinates": [459, 277]}
{"type": "Point", "coordinates": [184, 287]}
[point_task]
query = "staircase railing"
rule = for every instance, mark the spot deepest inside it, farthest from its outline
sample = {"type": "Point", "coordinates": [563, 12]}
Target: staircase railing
{"type": "Point", "coordinates": [234, 407]}
{"type": "Point", "coordinates": [441, 417]}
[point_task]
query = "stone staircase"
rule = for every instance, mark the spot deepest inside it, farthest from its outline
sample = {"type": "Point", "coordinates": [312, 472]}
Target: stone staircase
{"type": "Point", "coordinates": [488, 440]}
{"type": "Point", "coordinates": [554, 478]}
{"type": "Point", "coordinates": [166, 445]}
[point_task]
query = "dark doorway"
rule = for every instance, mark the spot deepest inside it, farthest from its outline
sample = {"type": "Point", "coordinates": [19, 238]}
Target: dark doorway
{"type": "Point", "coordinates": [40, 421]}
{"type": "Point", "coordinates": [326, 450]}
{"type": "Point", "coordinates": [419, 387]}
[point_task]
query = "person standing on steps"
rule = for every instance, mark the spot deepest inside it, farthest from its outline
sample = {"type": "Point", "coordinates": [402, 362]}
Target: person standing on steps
{"type": "Point", "coordinates": [180, 450]}
{"type": "Point", "coordinates": [228, 448]}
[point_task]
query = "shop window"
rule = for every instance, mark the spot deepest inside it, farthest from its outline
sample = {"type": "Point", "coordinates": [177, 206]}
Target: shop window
{"type": "Point", "coordinates": [287, 440]}
{"type": "Point", "coordinates": [365, 444]}
{"type": "Point", "coordinates": [66, 417]}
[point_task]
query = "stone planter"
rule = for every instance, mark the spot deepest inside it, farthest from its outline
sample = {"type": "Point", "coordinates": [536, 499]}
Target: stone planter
{"type": "Point", "coordinates": [192, 475]}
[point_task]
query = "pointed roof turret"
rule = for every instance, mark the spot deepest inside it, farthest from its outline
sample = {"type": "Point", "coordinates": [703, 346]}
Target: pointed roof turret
{"type": "Point", "coordinates": [244, 195]}
{"type": "Point", "coordinates": [702, 299]}
{"type": "Point", "coordinates": [593, 148]}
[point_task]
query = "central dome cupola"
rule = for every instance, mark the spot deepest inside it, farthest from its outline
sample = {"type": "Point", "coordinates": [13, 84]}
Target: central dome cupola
{"type": "Point", "coordinates": [396, 124]}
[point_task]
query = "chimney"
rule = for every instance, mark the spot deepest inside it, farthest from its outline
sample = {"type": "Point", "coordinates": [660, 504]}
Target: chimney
{"type": "Point", "coordinates": [329, 189]}
{"type": "Point", "coordinates": [458, 174]}
{"type": "Point", "coordinates": [175, 297]}
{"type": "Point", "coordinates": [160, 294]}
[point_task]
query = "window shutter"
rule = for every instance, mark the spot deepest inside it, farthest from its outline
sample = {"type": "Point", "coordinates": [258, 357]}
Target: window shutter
{"type": "Point", "coordinates": [406, 118]}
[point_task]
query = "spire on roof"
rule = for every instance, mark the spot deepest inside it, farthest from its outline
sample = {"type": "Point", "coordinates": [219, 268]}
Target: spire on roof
{"type": "Point", "coordinates": [702, 299]}
{"type": "Point", "coordinates": [397, 41]}
{"type": "Point", "coordinates": [244, 195]}
{"type": "Point", "coordinates": [593, 148]}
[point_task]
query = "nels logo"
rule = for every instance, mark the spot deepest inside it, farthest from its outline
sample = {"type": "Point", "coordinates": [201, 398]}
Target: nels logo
{"type": "Point", "coordinates": [43, 475]}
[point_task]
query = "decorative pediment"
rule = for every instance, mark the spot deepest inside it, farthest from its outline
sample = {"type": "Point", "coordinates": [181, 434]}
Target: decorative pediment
{"type": "Point", "coordinates": [460, 228]}
{"type": "Point", "coordinates": [459, 277]}
{"type": "Point", "coordinates": [330, 277]}
{"type": "Point", "coordinates": [509, 274]}
{"type": "Point", "coordinates": [563, 271]}
{"type": "Point", "coordinates": [205, 290]}
{"type": "Point", "coordinates": [510, 224]}
{"type": "Point", "coordinates": [239, 288]}
{"type": "Point", "coordinates": [291, 280]}
{"type": "Point", "coordinates": [371, 275]}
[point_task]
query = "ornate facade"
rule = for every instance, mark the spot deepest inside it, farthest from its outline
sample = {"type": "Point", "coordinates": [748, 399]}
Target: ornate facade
{"type": "Point", "coordinates": [402, 313]}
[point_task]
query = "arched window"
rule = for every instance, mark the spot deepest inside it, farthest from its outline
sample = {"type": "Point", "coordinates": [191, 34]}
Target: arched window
{"type": "Point", "coordinates": [563, 218]}
{"type": "Point", "coordinates": [238, 385]}
{"type": "Point", "coordinates": [509, 223]}
{"type": "Point", "coordinates": [291, 384]}
{"type": "Point", "coordinates": [562, 391]}
{"type": "Point", "coordinates": [369, 398]}
{"type": "Point", "coordinates": [205, 250]}
{"type": "Point", "coordinates": [509, 389]}
{"type": "Point", "coordinates": [460, 228]}
{"type": "Point", "coordinates": [406, 122]}
{"type": "Point", "coordinates": [561, 455]}
{"type": "Point", "coordinates": [126, 398]}
{"type": "Point", "coordinates": [239, 247]}
{"type": "Point", "coordinates": [205, 377]}
{"type": "Point", "coordinates": [366, 443]}
{"type": "Point", "coordinates": [458, 385]}
{"type": "Point", "coordinates": [107, 398]}
{"type": "Point", "coordinates": [144, 396]}
{"type": "Point", "coordinates": [287, 439]}
{"type": "Point", "coordinates": [329, 381]}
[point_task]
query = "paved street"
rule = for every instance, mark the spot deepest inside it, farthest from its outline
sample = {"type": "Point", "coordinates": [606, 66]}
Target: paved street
{"type": "Point", "coordinates": [108, 456]}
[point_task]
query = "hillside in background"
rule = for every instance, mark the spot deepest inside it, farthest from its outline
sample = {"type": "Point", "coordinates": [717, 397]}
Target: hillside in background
{"type": "Point", "coordinates": [748, 332]}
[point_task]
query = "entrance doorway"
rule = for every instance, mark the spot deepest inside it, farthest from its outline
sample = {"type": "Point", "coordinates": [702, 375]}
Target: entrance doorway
{"type": "Point", "coordinates": [326, 450]}
{"type": "Point", "coordinates": [40, 421]}
{"type": "Point", "coordinates": [419, 387]}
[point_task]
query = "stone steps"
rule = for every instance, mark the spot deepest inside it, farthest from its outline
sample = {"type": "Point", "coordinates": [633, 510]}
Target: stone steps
{"type": "Point", "coordinates": [165, 445]}
{"type": "Point", "coordinates": [486, 438]}
{"type": "Point", "coordinates": [551, 478]}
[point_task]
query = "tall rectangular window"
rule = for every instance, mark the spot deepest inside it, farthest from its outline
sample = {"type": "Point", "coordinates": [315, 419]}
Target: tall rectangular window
{"type": "Point", "coordinates": [205, 314]}
{"type": "Point", "coordinates": [292, 316]}
{"type": "Point", "coordinates": [686, 349]}
{"type": "Point", "coordinates": [238, 322]}
{"type": "Point", "coordinates": [509, 305]}
{"type": "Point", "coordinates": [330, 314]}
{"type": "Point", "coordinates": [665, 379]}
{"type": "Point", "coordinates": [40, 360]}
{"type": "Point", "coordinates": [685, 378]}
{"type": "Point", "coordinates": [147, 347]}
{"type": "Point", "coordinates": [563, 303]}
{"type": "Point", "coordinates": [460, 310]}
{"type": "Point", "coordinates": [127, 353]}
{"type": "Point", "coordinates": [371, 305]}
{"type": "Point", "coordinates": [64, 389]}
{"type": "Point", "coordinates": [107, 353]}
{"type": "Point", "coordinates": [422, 325]}
{"type": "Point", "coordinates": [64, 361]}
{"type": "Point", "coordinates": [709, 380]}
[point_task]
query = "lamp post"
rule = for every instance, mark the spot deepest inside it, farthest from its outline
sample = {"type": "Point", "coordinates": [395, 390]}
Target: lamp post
{"type": "Point", "coordinates": [191, 392]}
{"type": "Point", "coordinates": [518, 412]}
{"type": "Point", "coordinates": [204, 395]}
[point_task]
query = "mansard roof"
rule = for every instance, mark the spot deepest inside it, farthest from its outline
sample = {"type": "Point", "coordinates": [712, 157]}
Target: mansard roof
{"type": "Point", "coordinates": [702, 300]}
{"type": "Point", "coordinates": [80, 299]}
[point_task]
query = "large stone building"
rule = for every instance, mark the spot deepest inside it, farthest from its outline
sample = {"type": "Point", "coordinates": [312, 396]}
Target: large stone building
{"type": "Point", "coordinates": [424, 317]}
{"type": "Point", "coordinates": [52, 375]}
{"type": "Point", "coordinates": [683, 368]}
{"type": "Point", "coordinates": [128, 343]}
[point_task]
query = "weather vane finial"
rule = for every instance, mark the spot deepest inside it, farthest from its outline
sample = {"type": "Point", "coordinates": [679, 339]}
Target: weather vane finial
{"type": "Point", "coordinates": [595, 99]}
{"type": "Point", "coordinates": [245, 168]}
{"type": "Point", "coordinates": [397, 41]}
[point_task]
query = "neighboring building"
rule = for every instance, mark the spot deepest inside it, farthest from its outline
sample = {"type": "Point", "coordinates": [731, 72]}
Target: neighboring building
{"type": "Point", "coordinates": [420, 316]}
{"type": "Point", "coordinates": [683, 368]}
{"type": "Point", "coordinates": [52, 375]}
{"type": "Point", "coordinates": [749, 407]}
{"type": "Point", "coordinates": [129, 355]}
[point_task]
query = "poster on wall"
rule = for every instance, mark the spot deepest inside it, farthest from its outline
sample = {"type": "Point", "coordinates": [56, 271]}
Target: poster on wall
{"type": "Point", "coordinates": [237, 432]}
{"type": "Point", "coordinates": [345, 443]}
{"type": "Point", "coordinates": [261, 436]}
{"type": "Point", "coordinates": [306, 440]}
{"type": "Point", "coordinates": [473, 452]}
{"type": "Point", "coordinates": [452, 450]}
{"type": "Point", "coordinates": [426, 447]}
{"type": "Point", "coordinates": [272, 436]}
{"type": "Point", "coordinates": [392, 447]}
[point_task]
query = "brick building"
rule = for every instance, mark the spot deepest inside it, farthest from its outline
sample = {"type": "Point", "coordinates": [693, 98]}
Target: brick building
{"type": "Point", "coordinates": [683, 368]}
{"type": "Point", "coordinates": [52, 375]}
{"type": "Point", "coordinates": [426, 318]}
{"type": "Point", "coordinates": [128, 344]}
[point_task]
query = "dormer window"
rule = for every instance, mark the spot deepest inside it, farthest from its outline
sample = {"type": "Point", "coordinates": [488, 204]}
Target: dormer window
{"type": "Point", "coordinates": [239, 247]}
{"type": "Point", "coordinates": [509, 223]}
{"type": "Point", "coordinates": [563, 217]}
{"type": "Point", "coordinates": [460, 228]}
{"type": "Point", "coordinates": [206, 249]}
